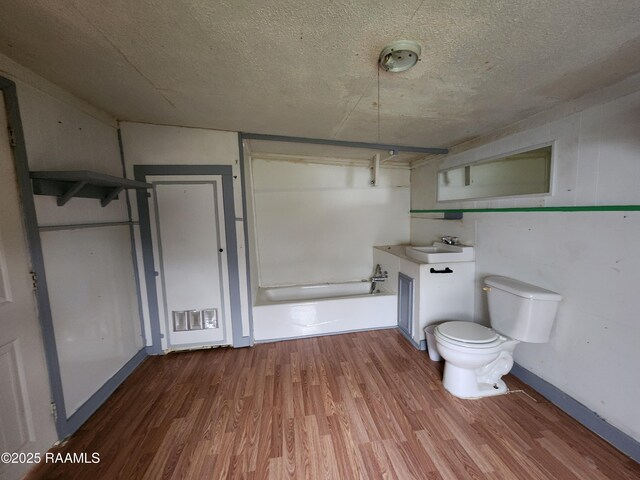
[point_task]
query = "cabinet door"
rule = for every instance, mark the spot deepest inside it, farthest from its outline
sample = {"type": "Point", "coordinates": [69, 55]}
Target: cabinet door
{"type": "Point", "coordinates": [446, 292]}
{"type": "Point", "coordinates": [405, 303]}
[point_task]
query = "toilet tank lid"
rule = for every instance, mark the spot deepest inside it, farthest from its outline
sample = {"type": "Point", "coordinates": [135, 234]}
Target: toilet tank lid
{"type": "Point", "coordinates": [521, 289]}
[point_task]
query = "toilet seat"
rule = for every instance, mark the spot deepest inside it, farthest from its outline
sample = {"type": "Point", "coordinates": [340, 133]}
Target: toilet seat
{"type": "Point", "coordinates": [468, 334]}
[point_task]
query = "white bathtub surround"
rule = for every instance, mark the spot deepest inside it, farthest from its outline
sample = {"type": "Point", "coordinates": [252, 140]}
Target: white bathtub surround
{"type": "Point", "coordinates": [316, 223]}
{"type": "Point", "coordinates": [308, 310]}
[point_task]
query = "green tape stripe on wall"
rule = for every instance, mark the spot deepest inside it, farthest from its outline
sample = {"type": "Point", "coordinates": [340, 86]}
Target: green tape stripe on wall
{"type": "Point", "coordinates": [595, 208]}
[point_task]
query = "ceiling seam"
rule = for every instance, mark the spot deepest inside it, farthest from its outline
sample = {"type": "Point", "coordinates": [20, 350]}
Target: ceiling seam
{"type": "Point", "coordinates": [348, 115]}
{"type": "Point", "coordinates": [126, 59]}
{"type": "Point", "coordinates": [413, 16]}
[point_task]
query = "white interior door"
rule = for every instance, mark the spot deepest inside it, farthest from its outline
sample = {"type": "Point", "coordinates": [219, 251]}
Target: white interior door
{"type": "Point", "coordinates": [188, 227]}
{"type": "Point", "coordinates": [26, 423]}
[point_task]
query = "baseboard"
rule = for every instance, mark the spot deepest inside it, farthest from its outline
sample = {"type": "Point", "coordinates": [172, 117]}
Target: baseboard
{"type": "Point", "coordinates": [243, 342]}
{"type": "Point", "coordinates": [420, 346]}
{"type": "Point", "coordinates": [581, 413]}
{"type": "Point", "coordinates": [89, 407]}
{"type": "Point", "coordinates": [152, 350]}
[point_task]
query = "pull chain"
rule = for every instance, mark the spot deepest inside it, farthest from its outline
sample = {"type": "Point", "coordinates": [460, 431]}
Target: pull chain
{"type": "Point", "coordinates": [378, 105]}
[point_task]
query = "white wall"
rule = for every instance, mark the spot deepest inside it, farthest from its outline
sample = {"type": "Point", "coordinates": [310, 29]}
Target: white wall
{"type": "Point", "coordinates": [146, 144]}
{"type": "Point", "coordinates": [591, 258]}
{"type": "Point", "coordinates": [318, 223]}
{"type": "Point", "coordinates": [90, 271]}
{"type": "Point", "coordinates": [93, 299]}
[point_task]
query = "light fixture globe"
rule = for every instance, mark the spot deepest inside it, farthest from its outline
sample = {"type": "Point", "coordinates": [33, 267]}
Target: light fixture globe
{"type": "Point", "coordinates": [399, 56]}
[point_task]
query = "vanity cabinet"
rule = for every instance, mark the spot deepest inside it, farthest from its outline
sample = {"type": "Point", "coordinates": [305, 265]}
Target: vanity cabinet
{"type": "Point", "coordinates": [439, 291]}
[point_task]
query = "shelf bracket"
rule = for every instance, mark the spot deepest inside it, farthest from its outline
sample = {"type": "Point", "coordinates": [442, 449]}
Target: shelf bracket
{"type": "Point", "coordinates": [66, 185]}
{"type": "Point", "coordinates": [113, 194]}
{"type": "Point", "coordinates": [69, 194]}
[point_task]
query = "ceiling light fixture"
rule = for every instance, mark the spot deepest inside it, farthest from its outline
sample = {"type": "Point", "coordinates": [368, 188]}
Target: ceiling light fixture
{"type": "Point", "coordinates": [399, 56]}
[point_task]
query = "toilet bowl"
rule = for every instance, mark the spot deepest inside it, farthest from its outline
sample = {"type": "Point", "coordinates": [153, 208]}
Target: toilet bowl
{"type": "Point", "coordinates": [476, 357]}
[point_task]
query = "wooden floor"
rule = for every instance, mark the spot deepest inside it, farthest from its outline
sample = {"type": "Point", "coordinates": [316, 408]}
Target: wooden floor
{"type": "Point", "coordinates": [361, 405]}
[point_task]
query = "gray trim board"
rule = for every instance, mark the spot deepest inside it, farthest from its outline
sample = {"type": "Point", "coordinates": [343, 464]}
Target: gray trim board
{"type": "Point", "coordinates": [132, 235]}
{"type": "Point", "coordinates": [35, 249]}
{"type": "Point", "coordinates": [80, 226]}
{"type": "Point", "coordinates": [149, 269]}
{"type": "Point", "coordinates": [226, 172]}
{"type": "Point", "coordinates": [420, 346]}
{"type": "Point", "coordinates": [580, 412]}
{"type": "Point", "coordinates": [246, 238]}
{"type": "Point", "coordinates": [94, 402]}
{"type": "Point", "coordinates": [344, 143]}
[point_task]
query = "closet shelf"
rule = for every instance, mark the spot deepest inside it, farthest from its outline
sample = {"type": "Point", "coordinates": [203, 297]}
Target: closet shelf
{"type": "Point", "coordinates": [82, 183]}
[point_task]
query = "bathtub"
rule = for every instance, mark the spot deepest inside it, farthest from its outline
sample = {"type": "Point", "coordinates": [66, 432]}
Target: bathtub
{"type": "Point", "coordinates": [307, 310]}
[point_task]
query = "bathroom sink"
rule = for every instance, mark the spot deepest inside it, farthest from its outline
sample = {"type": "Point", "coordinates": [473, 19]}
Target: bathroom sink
{"type": "Point", "coordinates": [441, 253]}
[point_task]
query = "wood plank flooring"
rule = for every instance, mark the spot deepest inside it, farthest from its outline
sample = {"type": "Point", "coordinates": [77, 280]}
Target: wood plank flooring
{"type": "Point", "coordinates": [361, 405]}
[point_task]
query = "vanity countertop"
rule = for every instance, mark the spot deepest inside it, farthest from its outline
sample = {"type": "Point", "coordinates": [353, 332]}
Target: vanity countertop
{"type": "Point", "coordinates": [398, 251]}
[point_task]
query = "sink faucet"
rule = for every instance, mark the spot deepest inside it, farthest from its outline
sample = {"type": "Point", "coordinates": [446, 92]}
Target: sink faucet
{"type": "Point", "coordinates": [449, 240]}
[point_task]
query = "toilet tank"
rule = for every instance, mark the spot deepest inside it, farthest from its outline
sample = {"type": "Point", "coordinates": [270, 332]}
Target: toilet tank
{"type": "Point", "coordinates": [520, 310]}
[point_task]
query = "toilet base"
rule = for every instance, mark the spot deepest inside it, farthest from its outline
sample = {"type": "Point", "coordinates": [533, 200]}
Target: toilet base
{"type": "Point", "coordinates": [463, 383]}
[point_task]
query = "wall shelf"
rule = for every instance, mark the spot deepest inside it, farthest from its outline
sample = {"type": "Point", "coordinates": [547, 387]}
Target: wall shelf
{"type": "Point", "coordinates": [82, 183]}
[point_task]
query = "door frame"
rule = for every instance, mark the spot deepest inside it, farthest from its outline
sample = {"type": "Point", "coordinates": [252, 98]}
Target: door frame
{"type": "Point", "coordinates": [150, 272]}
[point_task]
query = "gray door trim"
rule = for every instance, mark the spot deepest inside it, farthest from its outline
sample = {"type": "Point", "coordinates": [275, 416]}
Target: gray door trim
{"type": "Point", "coordinates": [225, 171]}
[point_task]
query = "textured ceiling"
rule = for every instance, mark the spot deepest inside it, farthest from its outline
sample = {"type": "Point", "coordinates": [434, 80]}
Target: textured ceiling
{"type": "Point", "coordinates": [308, 67]}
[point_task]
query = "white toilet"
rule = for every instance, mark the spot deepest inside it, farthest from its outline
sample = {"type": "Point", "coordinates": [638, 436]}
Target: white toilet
{"type": "Point", "coordinates": [476, 357]}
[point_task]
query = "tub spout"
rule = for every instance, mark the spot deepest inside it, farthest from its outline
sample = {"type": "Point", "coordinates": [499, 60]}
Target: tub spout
{"type": "Point", "coordinates": [379, 275]}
